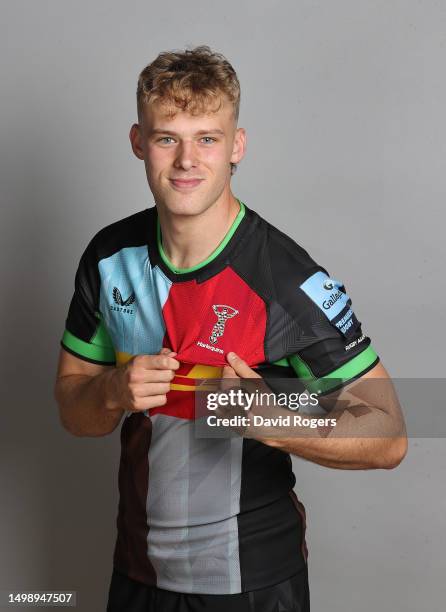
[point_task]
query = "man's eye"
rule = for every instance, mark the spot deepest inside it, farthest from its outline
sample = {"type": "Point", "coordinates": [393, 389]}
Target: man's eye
{"type": "Point", "coordinates": [164, 139]}
{"type": "Point", "coordinates": [208, 139]}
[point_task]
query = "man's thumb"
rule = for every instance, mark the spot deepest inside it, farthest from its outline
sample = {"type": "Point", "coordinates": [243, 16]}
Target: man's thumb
{"type": "Point", "coordinates": [228, 372]}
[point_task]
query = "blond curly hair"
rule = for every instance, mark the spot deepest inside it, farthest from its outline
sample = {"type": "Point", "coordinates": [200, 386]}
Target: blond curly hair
{"type": "Point", "coordinates": [192, 80]}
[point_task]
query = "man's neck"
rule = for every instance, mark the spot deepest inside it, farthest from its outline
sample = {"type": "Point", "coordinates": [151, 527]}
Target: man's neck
{"type": "Point", "coordinates": [188, 241]}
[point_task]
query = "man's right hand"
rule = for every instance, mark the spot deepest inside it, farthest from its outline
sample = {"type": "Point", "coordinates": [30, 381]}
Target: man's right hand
{"type": "Point", "coordinates": [143, 382]}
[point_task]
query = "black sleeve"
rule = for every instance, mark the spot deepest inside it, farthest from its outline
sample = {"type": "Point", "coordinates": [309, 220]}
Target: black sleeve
{"type": "Point", "coordinates": [337, 351]}
{"type": "Point", "coordinates": [316, 329]}
{"type": "Point", "coordinates": [85, 334]}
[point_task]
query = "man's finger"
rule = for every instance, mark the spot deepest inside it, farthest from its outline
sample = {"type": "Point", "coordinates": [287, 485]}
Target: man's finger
{"type": "Point", "coordinates": [240, 367]}
{"type": "Point", "coordinates": [167, 351]}
{"type": "Point", "coordinates": [228, 372]}
{"type": "Point", "coordinates": [167, 362]}
{"type": "Point", "coordinates": [228, 375]}
{"type": "Point", "coordinates": [160, 361]}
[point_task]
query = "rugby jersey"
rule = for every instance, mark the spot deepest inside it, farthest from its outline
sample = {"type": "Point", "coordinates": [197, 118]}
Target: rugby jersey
{"type": "Point", "coordinates": [200, 515]}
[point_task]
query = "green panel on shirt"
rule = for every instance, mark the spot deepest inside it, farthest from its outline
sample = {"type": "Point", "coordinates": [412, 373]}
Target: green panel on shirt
{"type": "Point", "coordinates": [100, 347]}
{"type": "Point", "coordinates": [348, 371]}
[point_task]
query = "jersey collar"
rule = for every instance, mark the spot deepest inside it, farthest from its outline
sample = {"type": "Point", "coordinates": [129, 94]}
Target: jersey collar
{"type": "Point", "coordinates": [212, 264]}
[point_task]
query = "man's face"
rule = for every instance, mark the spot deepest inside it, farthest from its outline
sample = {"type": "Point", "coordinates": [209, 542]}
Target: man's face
{"type": "Point", "coordinates": [188, 158]}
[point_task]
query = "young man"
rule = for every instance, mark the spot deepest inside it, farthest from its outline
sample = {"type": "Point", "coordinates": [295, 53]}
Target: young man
{"type": "Point", "coordinates": [200, 286]}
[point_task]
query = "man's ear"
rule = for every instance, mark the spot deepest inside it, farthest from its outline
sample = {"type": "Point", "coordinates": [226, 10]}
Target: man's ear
{"type": "Point", "coordinates": [239, 148]}
{"type": "Point", "coordinates": [135, 140]}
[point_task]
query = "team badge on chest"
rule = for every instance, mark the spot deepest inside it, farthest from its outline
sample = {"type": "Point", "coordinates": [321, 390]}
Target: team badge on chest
{"type": "Point", "coordinates": [223, 313]}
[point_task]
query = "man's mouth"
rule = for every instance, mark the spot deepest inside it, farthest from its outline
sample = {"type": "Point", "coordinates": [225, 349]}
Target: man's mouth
{"type": "Point", "coordinates": [185, 183]}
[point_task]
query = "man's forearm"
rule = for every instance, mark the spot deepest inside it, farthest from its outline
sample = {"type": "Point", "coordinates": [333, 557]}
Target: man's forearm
{"type": "Point", "coordinates": [344, 446]}
{"type": "Point", "coordinates": [86, 405]}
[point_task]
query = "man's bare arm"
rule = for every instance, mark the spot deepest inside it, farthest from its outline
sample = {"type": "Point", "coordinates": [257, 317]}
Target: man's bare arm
{"type": "Point", "coordinates": [92, 398]}
{"type": "Point", "coordinates": [370, 431]}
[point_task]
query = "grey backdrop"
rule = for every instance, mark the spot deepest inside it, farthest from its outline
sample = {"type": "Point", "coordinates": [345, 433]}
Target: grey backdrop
{"type": "Point", "coordinates": [344, 107]}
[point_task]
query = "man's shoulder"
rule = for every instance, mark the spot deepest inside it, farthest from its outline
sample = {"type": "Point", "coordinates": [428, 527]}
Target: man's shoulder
{"type": "Point", "coordinates": [282, 253]}
{"type": "Point", "coordinates": [131, 231]}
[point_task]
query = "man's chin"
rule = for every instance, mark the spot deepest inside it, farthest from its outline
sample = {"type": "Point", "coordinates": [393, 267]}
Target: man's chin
{"type": "Point", "coordinates": [185, 206]}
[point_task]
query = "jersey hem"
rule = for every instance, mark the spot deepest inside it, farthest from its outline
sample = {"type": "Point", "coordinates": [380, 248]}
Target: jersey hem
{"type": "Point", "coordinates": [158, 585]}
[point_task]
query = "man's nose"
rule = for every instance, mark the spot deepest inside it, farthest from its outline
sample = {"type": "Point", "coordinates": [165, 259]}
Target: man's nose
{"type": "Point", "coordinates": [186, 156]}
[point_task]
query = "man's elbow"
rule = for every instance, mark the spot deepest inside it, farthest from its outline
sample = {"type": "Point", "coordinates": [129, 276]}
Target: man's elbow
{"type": "Point", "coordinates": [69, 427]}
{"type": "Point", "coordinates": [67, 424]}
{"type": "Point", "coordinates": [80, 431]}
{"type": "Point", "coordinates": [396, 452]}
{"type": "Point", "coordinates": [60, 408]}
{"type": "Point", "coordinates": [64, 416]}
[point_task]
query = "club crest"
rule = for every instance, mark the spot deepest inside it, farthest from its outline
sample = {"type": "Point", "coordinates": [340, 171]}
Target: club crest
{"type": "Point", "coordinates": [223, 313]}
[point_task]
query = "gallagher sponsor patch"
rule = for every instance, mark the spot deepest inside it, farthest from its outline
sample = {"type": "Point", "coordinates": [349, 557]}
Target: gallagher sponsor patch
{"type": "Point", "coordinates": [329, 294]}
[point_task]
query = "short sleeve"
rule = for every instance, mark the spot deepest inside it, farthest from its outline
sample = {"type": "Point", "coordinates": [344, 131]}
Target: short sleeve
{"type": "Point", "coordinates": [85, 334]}
{"type": "Point", "coordinates": [336, 350]}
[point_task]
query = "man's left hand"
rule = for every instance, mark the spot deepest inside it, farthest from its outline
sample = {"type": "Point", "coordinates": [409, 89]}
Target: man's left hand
{"type": "Point", "coordinates": [238, 368]}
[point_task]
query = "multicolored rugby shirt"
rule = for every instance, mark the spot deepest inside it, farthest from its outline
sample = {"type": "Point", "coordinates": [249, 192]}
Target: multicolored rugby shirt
{"type": "Point", "coordinates": [200, 515]}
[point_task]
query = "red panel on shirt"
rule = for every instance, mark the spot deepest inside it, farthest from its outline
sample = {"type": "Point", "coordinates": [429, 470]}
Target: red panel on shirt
{"type": "Point", "coordinates": [204, 321]}
{"type": "Point", "coordinates": [180, 404]}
